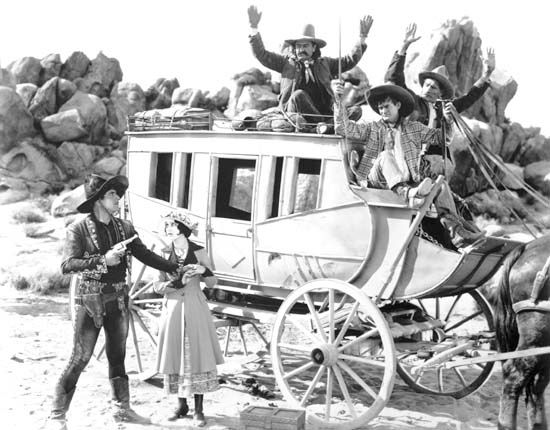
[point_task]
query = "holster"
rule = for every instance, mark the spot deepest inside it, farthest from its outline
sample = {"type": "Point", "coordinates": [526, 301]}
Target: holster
{"type": "Point", "coordinates": [92, 297]}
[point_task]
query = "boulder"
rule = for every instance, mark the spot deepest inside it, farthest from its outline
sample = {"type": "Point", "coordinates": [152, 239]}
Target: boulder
{"type": "Point", "coordinates": [220, 98]}
{"type": "Point", "coordinates": [514, 136]}
{"type": "Point", "coordinates": [467, 178]}
{"type": "Point", "coordinates": [33, 162]}
{"type": "Point", "coordinates": [512, 178]}
{"type": "Point", "coordinates": [192, 97]}
{"type": "Point", "coordinates": [75, 66]}
{"type": "Point", "coordinates": [45, 101]}
{"type": "Point", "coordinates": [258, 97]}
{"type": "Point", "coordinates": [26, 92]}
{"type": "Point", "coordinates": [93, 115]}
{"type": "Point", "coordinates": [67, 202]}
{"type": "Point", "coordinates": [77, 158]}
{"type": "Point", "coordinates": [13, 190]}
{"type": "Point", "coordinates": [127, 99]}
{"type": "Point", "coordinates": [457, 45]}
{"type": "Point", "coordinates": [493, 204]}
{"type": "Point", "coordinates": [7, 79]}
{"type": "Point", "coordinates": [536, 148]}
{"type": "Point", "coordinates": [538, 176]}
{"type": "Point", "coordinates": [65, 90]}
{"type": "Point", "coordinates": [159, 95]}
{"type": "Point", "coordinates": [16, 122]}
{"type": "Point", "coordinates": [109, 166]}
{"type": "Point", "coordinates": [102, 75]}
{"type": "Point", "coordinates": [26, 70]}
{"type": "Point", "coordinates": [63, 126]}
{"type": "Point", "coordinates": [51, 67]}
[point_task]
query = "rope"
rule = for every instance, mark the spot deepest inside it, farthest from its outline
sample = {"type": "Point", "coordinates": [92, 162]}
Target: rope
{"type": "Point", "coordinates": [482, 156]}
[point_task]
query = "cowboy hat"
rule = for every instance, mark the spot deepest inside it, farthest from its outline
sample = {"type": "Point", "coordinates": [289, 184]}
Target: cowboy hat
{"type": "Point", "coordinates": [308, 34]}
{"type": "Point", "coordinates": [95, 186]}
{"type": "Point", "coordinates": [380, 92]}
{"type": "Point", "coordinates": [440, 75]}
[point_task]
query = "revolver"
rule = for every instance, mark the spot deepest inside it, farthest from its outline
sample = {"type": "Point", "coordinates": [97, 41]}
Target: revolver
{"type": "Point", "coordinates": [120, 247]}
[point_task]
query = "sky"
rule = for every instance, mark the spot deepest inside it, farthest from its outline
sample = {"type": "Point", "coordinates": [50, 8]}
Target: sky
{"type": "Point", "coordinates": [203, 43]}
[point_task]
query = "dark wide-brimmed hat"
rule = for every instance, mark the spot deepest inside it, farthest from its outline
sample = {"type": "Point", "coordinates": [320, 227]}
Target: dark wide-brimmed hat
{"type": "Point", "coordinates": [308, 34]}
{"type": "Point", "coordinates": [96, 185]}
{"type": "Point", "coordinates": [440, 75]}
{"type": "Point", "coordinates": [379, 93]}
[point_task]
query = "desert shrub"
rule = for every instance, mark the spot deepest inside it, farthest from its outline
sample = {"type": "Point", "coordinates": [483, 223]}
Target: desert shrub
{"type": "Point", "coordinates": [43, 203]}
{"type": "Point", "coordinates": [19, 282]}
{"type": "Point", "coordinates": [48, 282]}
{"type": "Point", "coordinates": [28, 215]}
{"type": "Point", "coordinates": [35, 231]}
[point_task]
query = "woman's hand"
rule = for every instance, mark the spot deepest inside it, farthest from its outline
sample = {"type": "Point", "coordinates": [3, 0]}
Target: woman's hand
{"type": "Point", "coordinates": [191, 270]}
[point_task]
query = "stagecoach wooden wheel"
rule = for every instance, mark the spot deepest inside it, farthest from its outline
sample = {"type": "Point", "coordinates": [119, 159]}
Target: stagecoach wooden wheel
{"type": "Point", "coordinates": [333, 354]}
{"type": "Point", "coordinates": [144, 309]}
{"type": "Point", "coordinates": [468, 325]}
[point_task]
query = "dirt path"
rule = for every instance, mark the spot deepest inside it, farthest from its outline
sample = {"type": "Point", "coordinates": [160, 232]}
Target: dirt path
{"type": "Point", "coordinates": [36, 338]}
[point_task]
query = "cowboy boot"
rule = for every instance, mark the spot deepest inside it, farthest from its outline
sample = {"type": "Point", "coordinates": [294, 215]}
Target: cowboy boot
{"type": "Point", "coordinates": [122, 412]}
{"type": "Point", "coordinates": [460, 236]}
{"type": "Point", "coordinates": [415, 196]}
{"type": "Point", "coordinates": [60, 405]}
{"type": "Point", "coordinates": [181, 410]}
{"type": "Point", "coordinates": [198, 415]}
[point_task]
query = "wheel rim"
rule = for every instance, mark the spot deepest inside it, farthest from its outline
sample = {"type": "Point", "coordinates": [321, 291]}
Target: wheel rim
{"type": "Point", "coordinates": [339, 363]}
{"type": "Point", "coordinates": [461, 381]}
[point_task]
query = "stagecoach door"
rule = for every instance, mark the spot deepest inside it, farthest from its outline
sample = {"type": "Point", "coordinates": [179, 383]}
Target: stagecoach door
{"type": "Point", "coordinates": [230, 233]}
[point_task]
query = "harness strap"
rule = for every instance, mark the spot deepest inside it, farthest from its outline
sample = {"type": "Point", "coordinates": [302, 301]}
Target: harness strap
{"type": "Point", "coordinates": [533, 303]}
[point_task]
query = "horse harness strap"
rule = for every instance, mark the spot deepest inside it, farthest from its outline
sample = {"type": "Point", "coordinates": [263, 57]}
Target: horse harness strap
{"type": "Point", "coordinates": [533, 303]}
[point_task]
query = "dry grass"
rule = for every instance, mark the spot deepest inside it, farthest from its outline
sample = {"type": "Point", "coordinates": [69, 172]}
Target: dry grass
{"type": "Point", "coordinates": [42, 282]}
{"type": "Point", "coordinates": [28, 214]}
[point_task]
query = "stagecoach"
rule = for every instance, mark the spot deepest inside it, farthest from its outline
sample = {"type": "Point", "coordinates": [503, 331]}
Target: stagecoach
{"type": "Point", "coordinates": [353, 287]}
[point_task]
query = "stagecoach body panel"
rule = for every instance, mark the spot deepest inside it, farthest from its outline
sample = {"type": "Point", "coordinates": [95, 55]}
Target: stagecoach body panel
{"type": "Point", "coordinates": [275, 210]}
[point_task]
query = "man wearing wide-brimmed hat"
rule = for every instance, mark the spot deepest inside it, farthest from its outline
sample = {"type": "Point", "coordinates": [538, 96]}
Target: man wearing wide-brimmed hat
{"type": "Point", "coordinates": [436, 83]}
{"type": "Point", "coordinates": [102, 293]}
{"type": "Point", "coordinates": [392, 154]}
{"type": "Point", "coordinates": [305, 74]}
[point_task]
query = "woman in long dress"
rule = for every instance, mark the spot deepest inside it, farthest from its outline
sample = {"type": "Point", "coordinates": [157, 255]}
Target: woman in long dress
{"type": "Point", "coordinates": [188, 347]}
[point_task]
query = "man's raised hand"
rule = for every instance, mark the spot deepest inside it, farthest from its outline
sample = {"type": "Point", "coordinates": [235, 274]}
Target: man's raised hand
{"type": "Point", "coordinates": [489, 62]}
{"type": "Point", "coordinates": [254, 16]}
{"type": "Point", "coordinates": [364, 26]}
{"type": "Point", "coordinates": [410, 37]}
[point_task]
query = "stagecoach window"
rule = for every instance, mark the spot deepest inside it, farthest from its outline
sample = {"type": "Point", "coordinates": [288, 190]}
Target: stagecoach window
{"type": "Point", "coordinates": [307, 185]}
{"type": "Point", "coordinates": [163, 176]}
{"type": "Point", "coordinates": [235, 187]}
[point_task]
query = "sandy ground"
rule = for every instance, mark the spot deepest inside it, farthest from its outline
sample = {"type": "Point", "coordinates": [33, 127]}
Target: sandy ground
{"type": "Point", "coordinates": [36, 338]}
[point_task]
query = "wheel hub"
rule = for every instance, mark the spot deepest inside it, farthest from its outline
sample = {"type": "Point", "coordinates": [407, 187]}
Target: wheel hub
{"type": "Point", "coordinates": [324, 354]}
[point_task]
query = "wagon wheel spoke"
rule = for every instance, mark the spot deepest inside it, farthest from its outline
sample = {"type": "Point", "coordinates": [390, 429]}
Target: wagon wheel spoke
{"type": "Point", "coordinates": [357, 379]}
{"type": "Point", "coordinates": [440, 379]}
{"type": "Point", "coordinates": [418, 377]}
{"type": "Point", "coordinates": [136, 345]}
{"type": "Point", "coordinates": [346, 324]}
{"type": "Point", "coordinates": [462, 321]}
{"type": "Point", "coordinates": [101, 351]}
{"type": "Point", "coordinates": [299, 370]}
{"type": "Point", "coordinates": [145, 329]}
{"type": "Point", "coordinates": [370, 333]}
{"type": "Point", "coordinates": [344, 389]}
{"type": "Point", "coordinates": [134, 294]}
{"type": "Point", "coordinates": [313, 384]}
{"type": "Point", "coordinates": [460, 376]}
{"type": "Point", "coordinates": [140, 274]}
{"type": "Point", "coordinates": [331, 316]}
{"type": "Point", "coordinates": [452, 307]}
{"type": "Point", "coordinates": [294, 347]}
{"type": "Point", "coordinates": [313, 314]}
{"type": "Point", "coordinates": [328, 399]}
{"type": "Point", "coordinates": [147, 301]}
{"type": "Point", "coordinates": [362, 360]}
{"type": "Point", "coordinates": [145, 312]}
{"type": "Point", "coordinates": [437, 308]}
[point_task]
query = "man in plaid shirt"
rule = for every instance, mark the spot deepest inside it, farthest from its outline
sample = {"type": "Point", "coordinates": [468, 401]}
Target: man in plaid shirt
{"type": "Point", "coordinates": [393, 154]}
